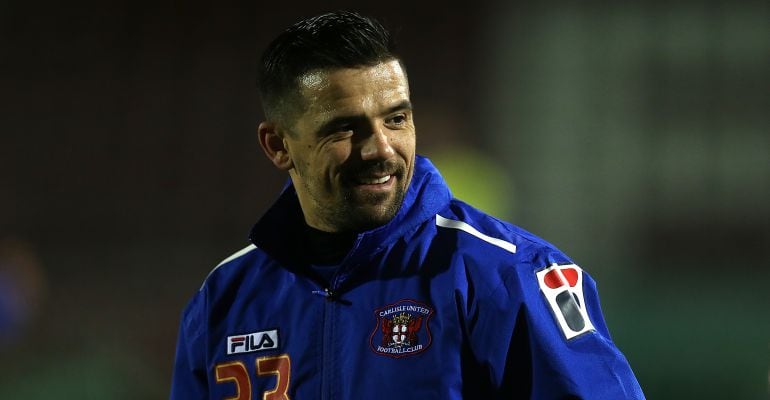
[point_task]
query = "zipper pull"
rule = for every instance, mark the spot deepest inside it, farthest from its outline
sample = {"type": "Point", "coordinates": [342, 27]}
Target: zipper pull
{"type": "Point", "coordinates": [328, 293]}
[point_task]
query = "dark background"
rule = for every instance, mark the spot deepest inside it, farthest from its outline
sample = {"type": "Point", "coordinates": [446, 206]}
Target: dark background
{"type": "Point", "coordinates": [635, 137]}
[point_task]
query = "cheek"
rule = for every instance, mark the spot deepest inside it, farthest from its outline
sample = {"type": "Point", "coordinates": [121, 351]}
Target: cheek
{"type": "Point", "coordinates": [336, 154]}
{"type": "Point", "coordinates": [326, 167]}
{"type": "Point", "coordinates": [404, 144]}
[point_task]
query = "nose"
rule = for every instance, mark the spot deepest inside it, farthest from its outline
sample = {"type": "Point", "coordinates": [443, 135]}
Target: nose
{"type": "Point", "coordinates": [377, 145]}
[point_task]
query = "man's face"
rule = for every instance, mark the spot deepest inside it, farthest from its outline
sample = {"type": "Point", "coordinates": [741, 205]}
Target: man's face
{"type": "Point", "coordinates": [353, 147]}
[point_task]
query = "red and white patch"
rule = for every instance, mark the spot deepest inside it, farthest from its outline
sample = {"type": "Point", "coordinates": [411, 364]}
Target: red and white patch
{"type": "Point", "coordinates": [402, 329]}
{"type": "Point", "coordinates": [562, 286]}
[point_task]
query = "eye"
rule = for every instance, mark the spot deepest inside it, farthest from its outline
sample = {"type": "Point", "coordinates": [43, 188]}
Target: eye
{"type": "Point", "coordinates": [343, 128]}
{"type": "Point", "coordinates": [397, 120]}
{"type": "Point", "coordinates": [339, 130]}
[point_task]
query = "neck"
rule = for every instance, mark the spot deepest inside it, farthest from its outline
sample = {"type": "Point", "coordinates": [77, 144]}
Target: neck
{"type": "Point", "coordinates": [327, 248]}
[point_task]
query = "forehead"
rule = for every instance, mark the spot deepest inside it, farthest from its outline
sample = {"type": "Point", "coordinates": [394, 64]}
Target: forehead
{"type": "Point", "coordinates": [354, 90]}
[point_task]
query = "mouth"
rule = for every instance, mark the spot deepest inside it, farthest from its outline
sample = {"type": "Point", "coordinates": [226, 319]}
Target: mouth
{"type": "Point", "coordinates": [373, 180]}
{"type": "Point", "coordinates": [374, 186]}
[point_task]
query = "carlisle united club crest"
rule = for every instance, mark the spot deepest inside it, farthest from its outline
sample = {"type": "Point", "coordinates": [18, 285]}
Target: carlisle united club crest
{"type": "Point", "coordinates": [402, 329]}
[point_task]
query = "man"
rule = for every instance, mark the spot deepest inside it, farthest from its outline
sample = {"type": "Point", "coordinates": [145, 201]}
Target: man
{"type": "Point", "coordinates": [366, 279]}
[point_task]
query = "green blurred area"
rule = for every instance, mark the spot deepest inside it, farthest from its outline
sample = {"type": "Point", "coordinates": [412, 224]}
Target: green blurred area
{"type": "Point", "coordinates": [88, 374]}
{"type": "Point", "coordinates": [692, 336]}
{"type": "Point", "coordinates": [637, 138]}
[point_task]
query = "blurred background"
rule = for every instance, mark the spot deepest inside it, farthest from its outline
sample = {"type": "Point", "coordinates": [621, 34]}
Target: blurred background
{"type": "Point", "coordinates": [635, 137]}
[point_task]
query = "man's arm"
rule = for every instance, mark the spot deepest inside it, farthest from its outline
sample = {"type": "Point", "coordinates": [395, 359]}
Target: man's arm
{"type": "Point", "coordinates": [557, 341]}
{"type": "Point", "coordinates": [189, 381]}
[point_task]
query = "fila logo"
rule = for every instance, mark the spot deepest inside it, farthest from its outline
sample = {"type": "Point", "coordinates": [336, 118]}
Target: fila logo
{"type": "Point", "coordinates": [562, 286]}
{"type": "Point", "coordinates": [265, 340]}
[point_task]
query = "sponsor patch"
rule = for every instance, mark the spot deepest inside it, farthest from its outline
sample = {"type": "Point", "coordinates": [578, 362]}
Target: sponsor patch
{"type": "Point", "coordinates": [402, 329]}
{"type": "Point", "coordinates": [265, 340]}
{"type": "Point", "coordinates": [562, 286]}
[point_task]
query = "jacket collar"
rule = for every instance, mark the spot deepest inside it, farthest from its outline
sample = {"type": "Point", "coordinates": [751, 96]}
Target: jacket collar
{"type": "Point", "coordinates": [280, 230]}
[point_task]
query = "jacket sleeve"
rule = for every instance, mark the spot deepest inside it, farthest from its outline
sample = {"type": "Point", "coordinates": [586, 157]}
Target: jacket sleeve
{"type": "Point", "coordinates": [189, 381]}
{"type": "Point", "coordinates": [529, 350]}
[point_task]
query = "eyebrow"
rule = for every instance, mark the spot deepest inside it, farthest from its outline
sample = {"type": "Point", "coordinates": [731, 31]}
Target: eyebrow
{"type": "Point", "coordinates": [404, 105]}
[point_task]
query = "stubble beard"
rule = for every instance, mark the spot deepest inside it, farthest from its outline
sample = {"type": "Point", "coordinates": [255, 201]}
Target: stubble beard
{"type": "Point", "coordinates": [347, 211]}
{"type": "Point", "coordinates": [371, 211]}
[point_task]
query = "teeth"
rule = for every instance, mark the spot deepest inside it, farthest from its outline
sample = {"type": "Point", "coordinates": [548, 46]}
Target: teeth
{"type": "Point", "coordinates": [375, 181]}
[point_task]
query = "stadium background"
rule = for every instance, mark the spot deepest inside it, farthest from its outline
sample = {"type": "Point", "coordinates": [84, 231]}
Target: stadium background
{"type": "Point", "coordinates": [633, 136]}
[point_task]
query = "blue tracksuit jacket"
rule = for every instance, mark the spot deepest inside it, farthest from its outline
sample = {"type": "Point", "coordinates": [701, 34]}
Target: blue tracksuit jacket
{"type": "Point", "coordinates": [443, 302]}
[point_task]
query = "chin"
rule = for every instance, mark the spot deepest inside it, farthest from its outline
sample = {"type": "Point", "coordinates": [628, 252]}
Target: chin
{"type": "Point", "coordinates": [370, 218]}
{"type": "Point", "coordinates": [364, 213]}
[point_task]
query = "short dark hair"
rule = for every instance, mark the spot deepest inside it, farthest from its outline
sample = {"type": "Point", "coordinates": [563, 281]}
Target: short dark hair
{"type": "Point", "coordinates": [339, 39]}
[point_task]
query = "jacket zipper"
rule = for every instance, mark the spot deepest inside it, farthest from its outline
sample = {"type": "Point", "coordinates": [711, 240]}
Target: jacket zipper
{"type": "Point", "coordinates": [329, 292]}
{"type": "Point", "coordinates": [326, 362]}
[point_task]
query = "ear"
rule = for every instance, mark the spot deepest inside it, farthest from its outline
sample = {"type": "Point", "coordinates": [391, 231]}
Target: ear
{"type": "Point", "coordinates": [274, 146]}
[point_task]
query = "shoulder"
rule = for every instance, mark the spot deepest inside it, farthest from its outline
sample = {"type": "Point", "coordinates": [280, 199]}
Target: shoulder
{"type": "Point", "coordinates": [478, 233]}
{"type": "Point", "coordinates": [219, 280]}
{"type": "Point", "coordinates": [230, 265]}
{"type": "Point", "coordinates": [515, 267]}
{"type": "Point", "coordinates": [500, 260]}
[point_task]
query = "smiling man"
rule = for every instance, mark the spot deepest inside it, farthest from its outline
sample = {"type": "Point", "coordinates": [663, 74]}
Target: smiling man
{"type": "Point", "coordinates": [367, 279]}
{"type": "Point", "coordinates": [350, 150]}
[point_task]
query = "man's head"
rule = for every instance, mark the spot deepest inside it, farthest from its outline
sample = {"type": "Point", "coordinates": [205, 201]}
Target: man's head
{"type": "Point", "coordinates": [339, 120]}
